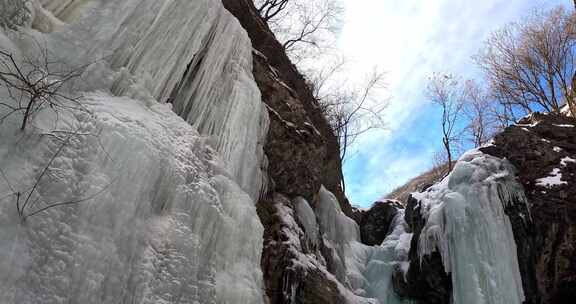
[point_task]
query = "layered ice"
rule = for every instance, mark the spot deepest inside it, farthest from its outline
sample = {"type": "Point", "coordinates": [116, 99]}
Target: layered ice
{"type": "Point", "coordinates": [193, 54]}
{"type": "Point", "coordinates": [467, 224]}
{"type": "Point", "coordinates": [125, 201]}
{"type": "Point", "coordinates": [156, 221]}
{"type": "Point", "coordinates": [366, 270]}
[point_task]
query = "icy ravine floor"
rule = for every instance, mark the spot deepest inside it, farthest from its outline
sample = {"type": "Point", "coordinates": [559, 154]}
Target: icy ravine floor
{"type": "Point", "coordinates": [173, 220]}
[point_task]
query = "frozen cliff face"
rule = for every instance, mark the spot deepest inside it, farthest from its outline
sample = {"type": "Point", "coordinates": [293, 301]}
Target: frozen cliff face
{"type": "Point", "coordinates": [193, 54]}
{"type": "Point", "coordinates": [162, 226]}
{"type": "Point", "coordinates": [151, 207]}
{"type": "Point", "coordinates": [467, 224]}
{"type": "Point", "coordinates": [543, 149]}
{"type": "Point", "coordinates": [14, 13]}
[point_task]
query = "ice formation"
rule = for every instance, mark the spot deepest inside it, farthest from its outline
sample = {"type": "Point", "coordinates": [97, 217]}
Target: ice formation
{"type": "Point", "coordinates": [466, 222]}
{"type": "Point", "coordinates": [366, 269]}
{"type": "Point", "coordinates": [162, 206]}
{"type": "Point", "coordinates": [193, 54]}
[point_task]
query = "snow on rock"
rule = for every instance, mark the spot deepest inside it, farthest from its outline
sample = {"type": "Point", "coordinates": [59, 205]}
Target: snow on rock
{"type": "Point", "coordinates": [564, 161]}
{"type": "Point", "coordinates": [566, 110]}
{"type": "Point", "coordinates": [554, 178]}
{"type": "Point", "coordinates": [466, 223]}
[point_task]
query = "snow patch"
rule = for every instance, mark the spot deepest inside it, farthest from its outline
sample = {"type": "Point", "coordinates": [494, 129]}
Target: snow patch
{"type": "Point", "coordinates": [554, 178]}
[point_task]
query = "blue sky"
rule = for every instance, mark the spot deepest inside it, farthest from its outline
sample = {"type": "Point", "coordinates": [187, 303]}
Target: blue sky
{"type": "Point", "coordinates": [411, 39]}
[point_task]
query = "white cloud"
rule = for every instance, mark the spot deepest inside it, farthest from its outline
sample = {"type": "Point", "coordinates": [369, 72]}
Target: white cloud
{"type": "Point", "coordinates": [410, 40]}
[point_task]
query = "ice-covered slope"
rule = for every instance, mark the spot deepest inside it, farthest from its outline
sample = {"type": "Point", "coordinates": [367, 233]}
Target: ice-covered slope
{"type": "Point", "coordinates": [157, 215]}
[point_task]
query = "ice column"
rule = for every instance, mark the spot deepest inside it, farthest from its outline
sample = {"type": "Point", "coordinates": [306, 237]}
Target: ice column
{"type": "Point", "coordinates": [467, 224]}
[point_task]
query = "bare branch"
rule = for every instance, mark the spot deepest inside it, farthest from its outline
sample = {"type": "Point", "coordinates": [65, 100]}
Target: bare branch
{"type": "Point", "coordinates": [34, 85]}
{"type": "Point", "coordinates": [305, 28]}
{"type": "Point", "coordinates": [529, 65]}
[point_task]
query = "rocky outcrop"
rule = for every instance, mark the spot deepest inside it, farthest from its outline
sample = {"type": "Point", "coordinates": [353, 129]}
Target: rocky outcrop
{"type": "Point", "coordinates": [293, 266]}
{"type": "Point", "coordinates": [294, 147]}
{"type": "Point", "coordinates": [375, 222]}
{"type": "Point", "coordinates": [543, 149]}
{"type": "Point", "coordinates": [426, 280]}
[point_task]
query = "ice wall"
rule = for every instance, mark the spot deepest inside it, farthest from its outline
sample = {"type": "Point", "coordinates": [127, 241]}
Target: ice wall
{"type": "Point", "coordinates": [467, 224]}
{"type": "Point", "coordinates": [157, 215]}
{"type": "Point", "coordinates": [193, 54]}
{"type": "Point", "coordinates": [164, 227]}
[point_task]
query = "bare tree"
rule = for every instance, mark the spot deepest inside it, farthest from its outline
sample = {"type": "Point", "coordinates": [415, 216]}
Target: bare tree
{"type": "Point", "coordinates": [320, 79]}
{"type": "Point", "coordinates": [485, 117]}
{"type": "Point", "coordinates": [35, 85]}
{"type": "Point", "coordinates": [439, 166]}
{"type": "Point", "coordinates": [269, 9]}
{"type": "Point", "coordinates": [530, 65]}
{"type": "Point", "coordinates": [305, 28]}
{"type": "Point", "coordinates": [353, 111]}
{"type": "Point", "coordinates": [444, 91]}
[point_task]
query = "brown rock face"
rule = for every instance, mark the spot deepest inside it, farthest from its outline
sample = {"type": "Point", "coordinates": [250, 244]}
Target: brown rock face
{"type": "Point", "coordinates": [303, 154]}
{"type": "Point", "coordinates": [288, 279]}
{"type": "Point", "coordinates": [538, 146]}
{"type": "Point", "coordinates": [301, 148]}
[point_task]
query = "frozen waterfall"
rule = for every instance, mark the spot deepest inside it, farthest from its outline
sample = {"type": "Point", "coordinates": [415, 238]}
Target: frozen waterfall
{"type": "Point", "coordinates": [193, 54]}
{"type": "Point", "coordinates": [467, 224]}
{"type": "Point", "coordinates": [164, 205]}
{"type": "Point", "coordinates": [367, 270]}
{"type": "Point", "coordinates": [465, 221]}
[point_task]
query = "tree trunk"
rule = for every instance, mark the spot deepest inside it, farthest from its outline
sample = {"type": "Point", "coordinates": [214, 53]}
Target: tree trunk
{"type": "Point", "coordinates": [571, 98]}
{"type": "Point", "coordinates": [448, 153]}
{"type": "Point", "coordinates": [28, 112]}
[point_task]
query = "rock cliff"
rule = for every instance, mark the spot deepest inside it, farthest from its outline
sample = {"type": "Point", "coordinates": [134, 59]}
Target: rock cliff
{"type": "Point", "coordinates": [541, 147]}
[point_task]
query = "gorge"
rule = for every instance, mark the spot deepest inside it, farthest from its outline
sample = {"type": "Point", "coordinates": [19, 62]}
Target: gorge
{"type": "Point", "coordinates": [187, 161]}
